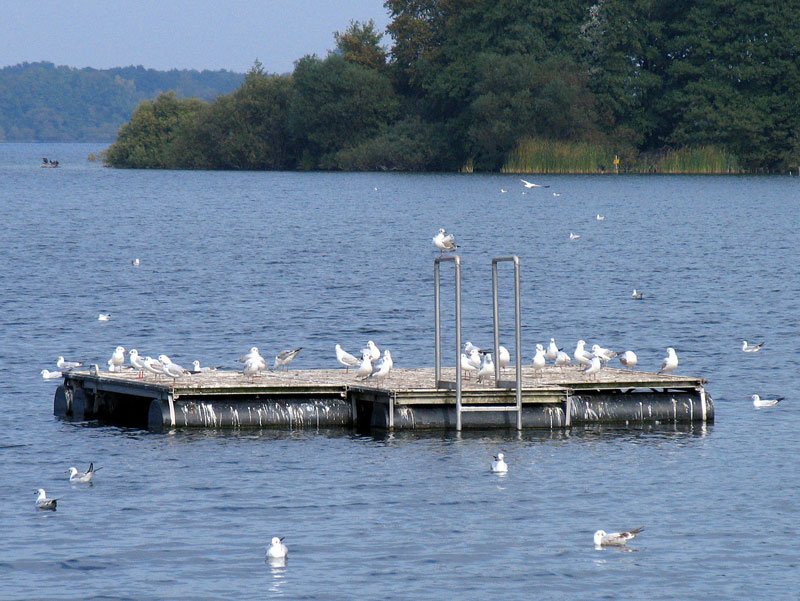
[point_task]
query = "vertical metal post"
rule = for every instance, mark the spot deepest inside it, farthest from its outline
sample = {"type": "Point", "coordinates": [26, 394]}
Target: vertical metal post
{"type": "Point", "coordinates": [517, 329]}
{"type": "Point", "coordinates": [438, 326]}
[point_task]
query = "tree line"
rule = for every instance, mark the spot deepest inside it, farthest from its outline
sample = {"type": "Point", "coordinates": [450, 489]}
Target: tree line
{"type": "Point", "coordinates": [42, 102]}
{"type": "Point", "coordinates": [487, 84]}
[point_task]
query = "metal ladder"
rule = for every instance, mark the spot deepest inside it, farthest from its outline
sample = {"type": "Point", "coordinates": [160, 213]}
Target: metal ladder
{"type": "Point", "coordinates": [438, 338]}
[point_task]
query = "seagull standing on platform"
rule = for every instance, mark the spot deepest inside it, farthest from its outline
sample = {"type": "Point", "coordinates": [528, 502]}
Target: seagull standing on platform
{"type": "Point", "coordinates": [503, 357]}
{"type": "Point", "coordinates": [670, 362]}
{"type": "Point", "coordinates": [136, 362]}
{"type": "Point", "coordinates": [381, 371]}
{"type": "Point", "coordinates": [605, 355]}
{"type": "Point", "coordinates": [444, 242]}
{"type": "Point", "coordinates": [345, 358]}
{"type": "Point", "coordinates": [629, 359]}
{"type": "Point", "coordinates": [63, 365]}
{"type": "Point", "coordinates": [594, 367]}
{"type": "Point", "coordinates": [469, 347]}
{"type": "Point", "coordinates": [252, 354]}
{"type": "Point", "coordinates": [42, 502]}
{"type": "Point", "coordinates": [499, 466]}
{"type": "Point", "coordinates": [581, 355]}
{"type": "Point", "coordinates": [153, 366]}
{"type": "Point", "coordinates": [467, 366]}
{"type": "Point", "coordinates": [759, 402]}
{"type": "Point", "coordinates": [82, 477]}
{"type": "Point", "coordinates": [173, 370]}
{"type": "Point", "coordinates": [562, 359]}
{"type": "Point", "coordinates": [552, 350]}
{"type": "Point", "coordinates": [539, 360]}
{"type": "Point", "coordinates": [284, 358]}
{"type": "Point", "coordinates": [365, 369]}
{"type": "Point", "coordinates": [196, 369]}
{"type": "Point", "coordinates": [747, 348]}
{"type": "Point", "coordinates": [117, 359]}
{"type": "Point", "coordinates": [372, 350]}
{"type": "Point", "coordinates": [474, 357]}
{"type": "Point", "coordinates": [614, 539]}
{"type": "Point", "coordinates": [487, 367]}
{"type": "Point", "coordinates": [253, 366]}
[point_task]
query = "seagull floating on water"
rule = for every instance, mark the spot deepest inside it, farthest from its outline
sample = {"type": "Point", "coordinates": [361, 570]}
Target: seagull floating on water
{"type": "Point", "coordinates": [499, 466]}
{"type": "Point", "coordinates": [528, 184]}
{"type": "Point", "coordinates": [759, 402]}
{"type": "Point", "coordinates": [614, 539]}
{"type": "Point", "coordinates": [444, 242]}
{"type": "Point", "coordinates": [670, 362]}
{"type": "Point", "coordinates": [573, 236]}
{"type": "Point", "coordinates": [66, 365]}
{"type": "Point", "coordinates": [42, 502]}
{"type": "Point", "coordinates": [637, 294]}
{"type": "Point", "coordinates": [600, 217]}
{"type": "Point", "coordinates": [136, 262]}
{"type": "Point", "coordinates": [748, 348]}
{"type": "Point", "coordinates": [345, 358]}
{"type": "Point", "coordinates": [629, 359]}
{"type": "Point", "coordinates": [284, 358]}
{"type": "Point", "coordinates": [104, 317]}
{"type": "Point", "coordinates": [51, 375]}
{"type": "Point", "coordinates": [82, 477]}
{"type": "Point", "coordinates": [277, 550]}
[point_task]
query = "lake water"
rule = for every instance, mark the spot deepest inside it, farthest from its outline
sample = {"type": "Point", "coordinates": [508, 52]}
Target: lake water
{"type": "Point", "coordinates": [278, 260]}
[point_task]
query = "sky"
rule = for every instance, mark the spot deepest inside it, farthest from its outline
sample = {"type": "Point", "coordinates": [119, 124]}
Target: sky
{"type": "Point", "coordinates": [177, 34]}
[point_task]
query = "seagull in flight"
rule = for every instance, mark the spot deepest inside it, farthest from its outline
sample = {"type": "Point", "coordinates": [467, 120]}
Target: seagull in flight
{"type": "Point", "coordinates": [532, 185]}
{"type": "Point", "coordinates": [614, 539]}
{"type": "Point", "coordinates": [759, 402]}
{"type": "Point", "coordinates": [747, 348]}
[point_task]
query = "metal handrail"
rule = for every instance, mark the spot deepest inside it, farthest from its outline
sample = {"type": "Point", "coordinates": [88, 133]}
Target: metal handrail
{"type": "Point", "coordinates": [517, 330]}
{"type": "Point", "coordinates": [438, 327]}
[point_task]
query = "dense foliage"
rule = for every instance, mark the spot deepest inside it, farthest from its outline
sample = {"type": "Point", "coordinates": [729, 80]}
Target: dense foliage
{"type": "Point", "coordinates": [43, 102]}
{"type": "Point", "coordinates": [515, 84]}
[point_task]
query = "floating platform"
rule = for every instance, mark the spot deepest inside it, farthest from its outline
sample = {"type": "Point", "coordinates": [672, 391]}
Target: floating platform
{"type": "Point", "coordinates": [555, 397]}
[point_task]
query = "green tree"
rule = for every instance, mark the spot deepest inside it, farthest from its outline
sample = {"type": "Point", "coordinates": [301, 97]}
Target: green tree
{"type": "Point", "coordinates": [360, 43]}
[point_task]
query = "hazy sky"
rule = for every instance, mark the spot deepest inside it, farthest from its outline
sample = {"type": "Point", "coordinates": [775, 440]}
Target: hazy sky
{"type": "Point", "coordinates": [182, 34]}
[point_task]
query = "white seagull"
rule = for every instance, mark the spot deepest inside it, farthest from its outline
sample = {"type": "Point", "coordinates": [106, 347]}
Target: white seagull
{"type": "Point", "coordinates": [562, 359]}
{"type": "Point", "coordinates": [173, 370]}
{"type": "Point", "coordinates": [573, 236]}
{"type": "Point", "coordinates": [381, 371]}
{"type": "Point", "coordinates": [637, 294]}
{"type": "Point", "coordinates": [51, 375]}
{"type": "Point", "coordinates": [499, 466]}
{"type": "Point", "coordinates": [365, 369]}
{"type": "Point", "coordinates": [600, 217]}
{"type": "Point", "coordinates": [196, 369]}
{"type": "Point", "coordinates": [253, 354]}
{"type": "Point", "coordinates": [277, 550]}
{"type": "Point", "coordinates": [747, 348]}
{"type": "Point", "coordinates": [284, 358]}
{"type": "Point", "coordinates": [539, 360]}
{"type": "Point", "coordinates": [117, 359]}
{"type": "Point", "coordinates": [253, 366]}
{"type": "Point", "coordinates": [529, 185]}
{"type": "Point", "coordinates": [153, 366]}
{"type": "Point", "coordinates": [444, 242]}
{"type": "Point", "coordinates": [503, 357]}
{"type": "Point", "coordinates": [42, 502]}
{"type": "Point", "coordinates": [552, 350]}
{"type": "Point", "coordinates": [136, 362]}
{"type": "Point", "coordinates": [603, 354]}
{"type": "Point", "coordinates": [82, 477]}
{"type": "Point", "coordinates": [372, 350]}
{"type": "Point", "coordinates": [614, 539]}
{"type": "Point", "coordinates": [66, 365]}
{"type": "Point", "coordinates": [629, 359]}
{"type": "Point", "coordinates": [670, 362]}
{"type": "Point", "coordinates": [581, 355]}
{"type": "Point", "coordinates": [759, 402]}
{"type": "Point", "coordinates": [469, 347]}
{"type": "Point", "coordinates": [594, 367]}
{"type": "Point", "coordinates": [467, 366]}
{"type": "Point", "coordinates": [345, 358]}
{"type": "Point", "coordinates": [474, 358]}
{"type": "Point", "coordinates": [104, 317]}
{"type": "Point", "coordinates": [136, 262]}
{"type": "Point", "coordinates": [487, 367]}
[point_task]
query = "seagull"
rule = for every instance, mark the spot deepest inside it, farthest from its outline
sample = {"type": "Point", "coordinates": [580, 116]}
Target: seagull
{"type": "Point", "coordinates": [594, 367]}
{"type": "Point", "coordinates": [50, 375]}
{"type": "Point", "coordinates": [556, 193]}
{"type": "Point", "coordinates": [529, 185]}
{"type": "Point", "coordinates": [469, 347]}
{"type": "Point", "coordinates": [277, 550]}
{"type": "Point", "coordinates": [670, 362]}
{"type": "Point", "coordinates": [67, 365]}
{"type": "Point", "coordinates": [603, 354]}
{"type": "Point", "coordinates": [284, 358]}
{"type": "Point", "coordinates": [503, 190]}
{"type": "Point", "coordinates": [539, 360]}
{"type": "Point", "coordinates": [487, 367]}
{"type": "Point", "coordinates": [104, 317]}
{"type": "Point", "coordinates": [82, 477]}
{"type": "Point", "coordinates": [747, 348]}
{"type": "Point", "coordinates": [444, 242]}
{"type": "Point", "coordinates": [552, 350]}
{"type": "Point", "coordinates": [562, 359]}
{"type": "Point", "coordinates": [136, 361]}
{"type": "Point", "coordinates": [503, 357]}
{"type": "Point", "coordinates": [381, 371]}
{"type": "Point", "coordinates": [759, 402]}
{"type": "Point", "coordinates": [254, 365]}
{"type": "Point", "coordinates": [253, 354]}
{"type": "Point", "coordinates": [365, 368]}
{"type": "Point", "coordinates": [345, 358]}
{"type": "Point", "coordinates": [467, 366]}
{"type": "Point", "coordinates": [153, 366]}
{"type": "Point", "coordinates": [499, 466]}
{"type": "Point", "coordinates": [637, 294]}
{"type": "Point", "coordinates": [173, 370]}
{"type": "Point", "coordinates": [574, 236]}
{"type": "Point", "coordinates": [475, 358]}
{"type": "Point", "coordinates": [614, 539]}
{"type": "Point", "coordinates": [600, 217]}
{"type": "Point", "coordinates": [372, 350]}
{"type": "Point", "coordinates": [629, 359]}
{"type": "Point", "coordinates": [42, 502]}
{"type": "Point", "coordinates": [136, 262]}
{"type": "Point", "coordinates": [582, 356]}
{"type": "Point", "coordinates": [196, 369]}
{"type": "Point", "coordinates": [117, 359]}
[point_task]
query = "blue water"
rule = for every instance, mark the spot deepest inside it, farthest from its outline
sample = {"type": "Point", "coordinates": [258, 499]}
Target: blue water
{"type": "Point", "coordinates": [277, 260]}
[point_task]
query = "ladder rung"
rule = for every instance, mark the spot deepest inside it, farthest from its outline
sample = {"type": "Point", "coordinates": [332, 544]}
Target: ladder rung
{"type": "Point", "coordinates": [488, 408]}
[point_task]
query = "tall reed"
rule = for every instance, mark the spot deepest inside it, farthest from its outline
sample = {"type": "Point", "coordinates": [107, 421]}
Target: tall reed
{"type": "Point", "coordinates": [533, 155]}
